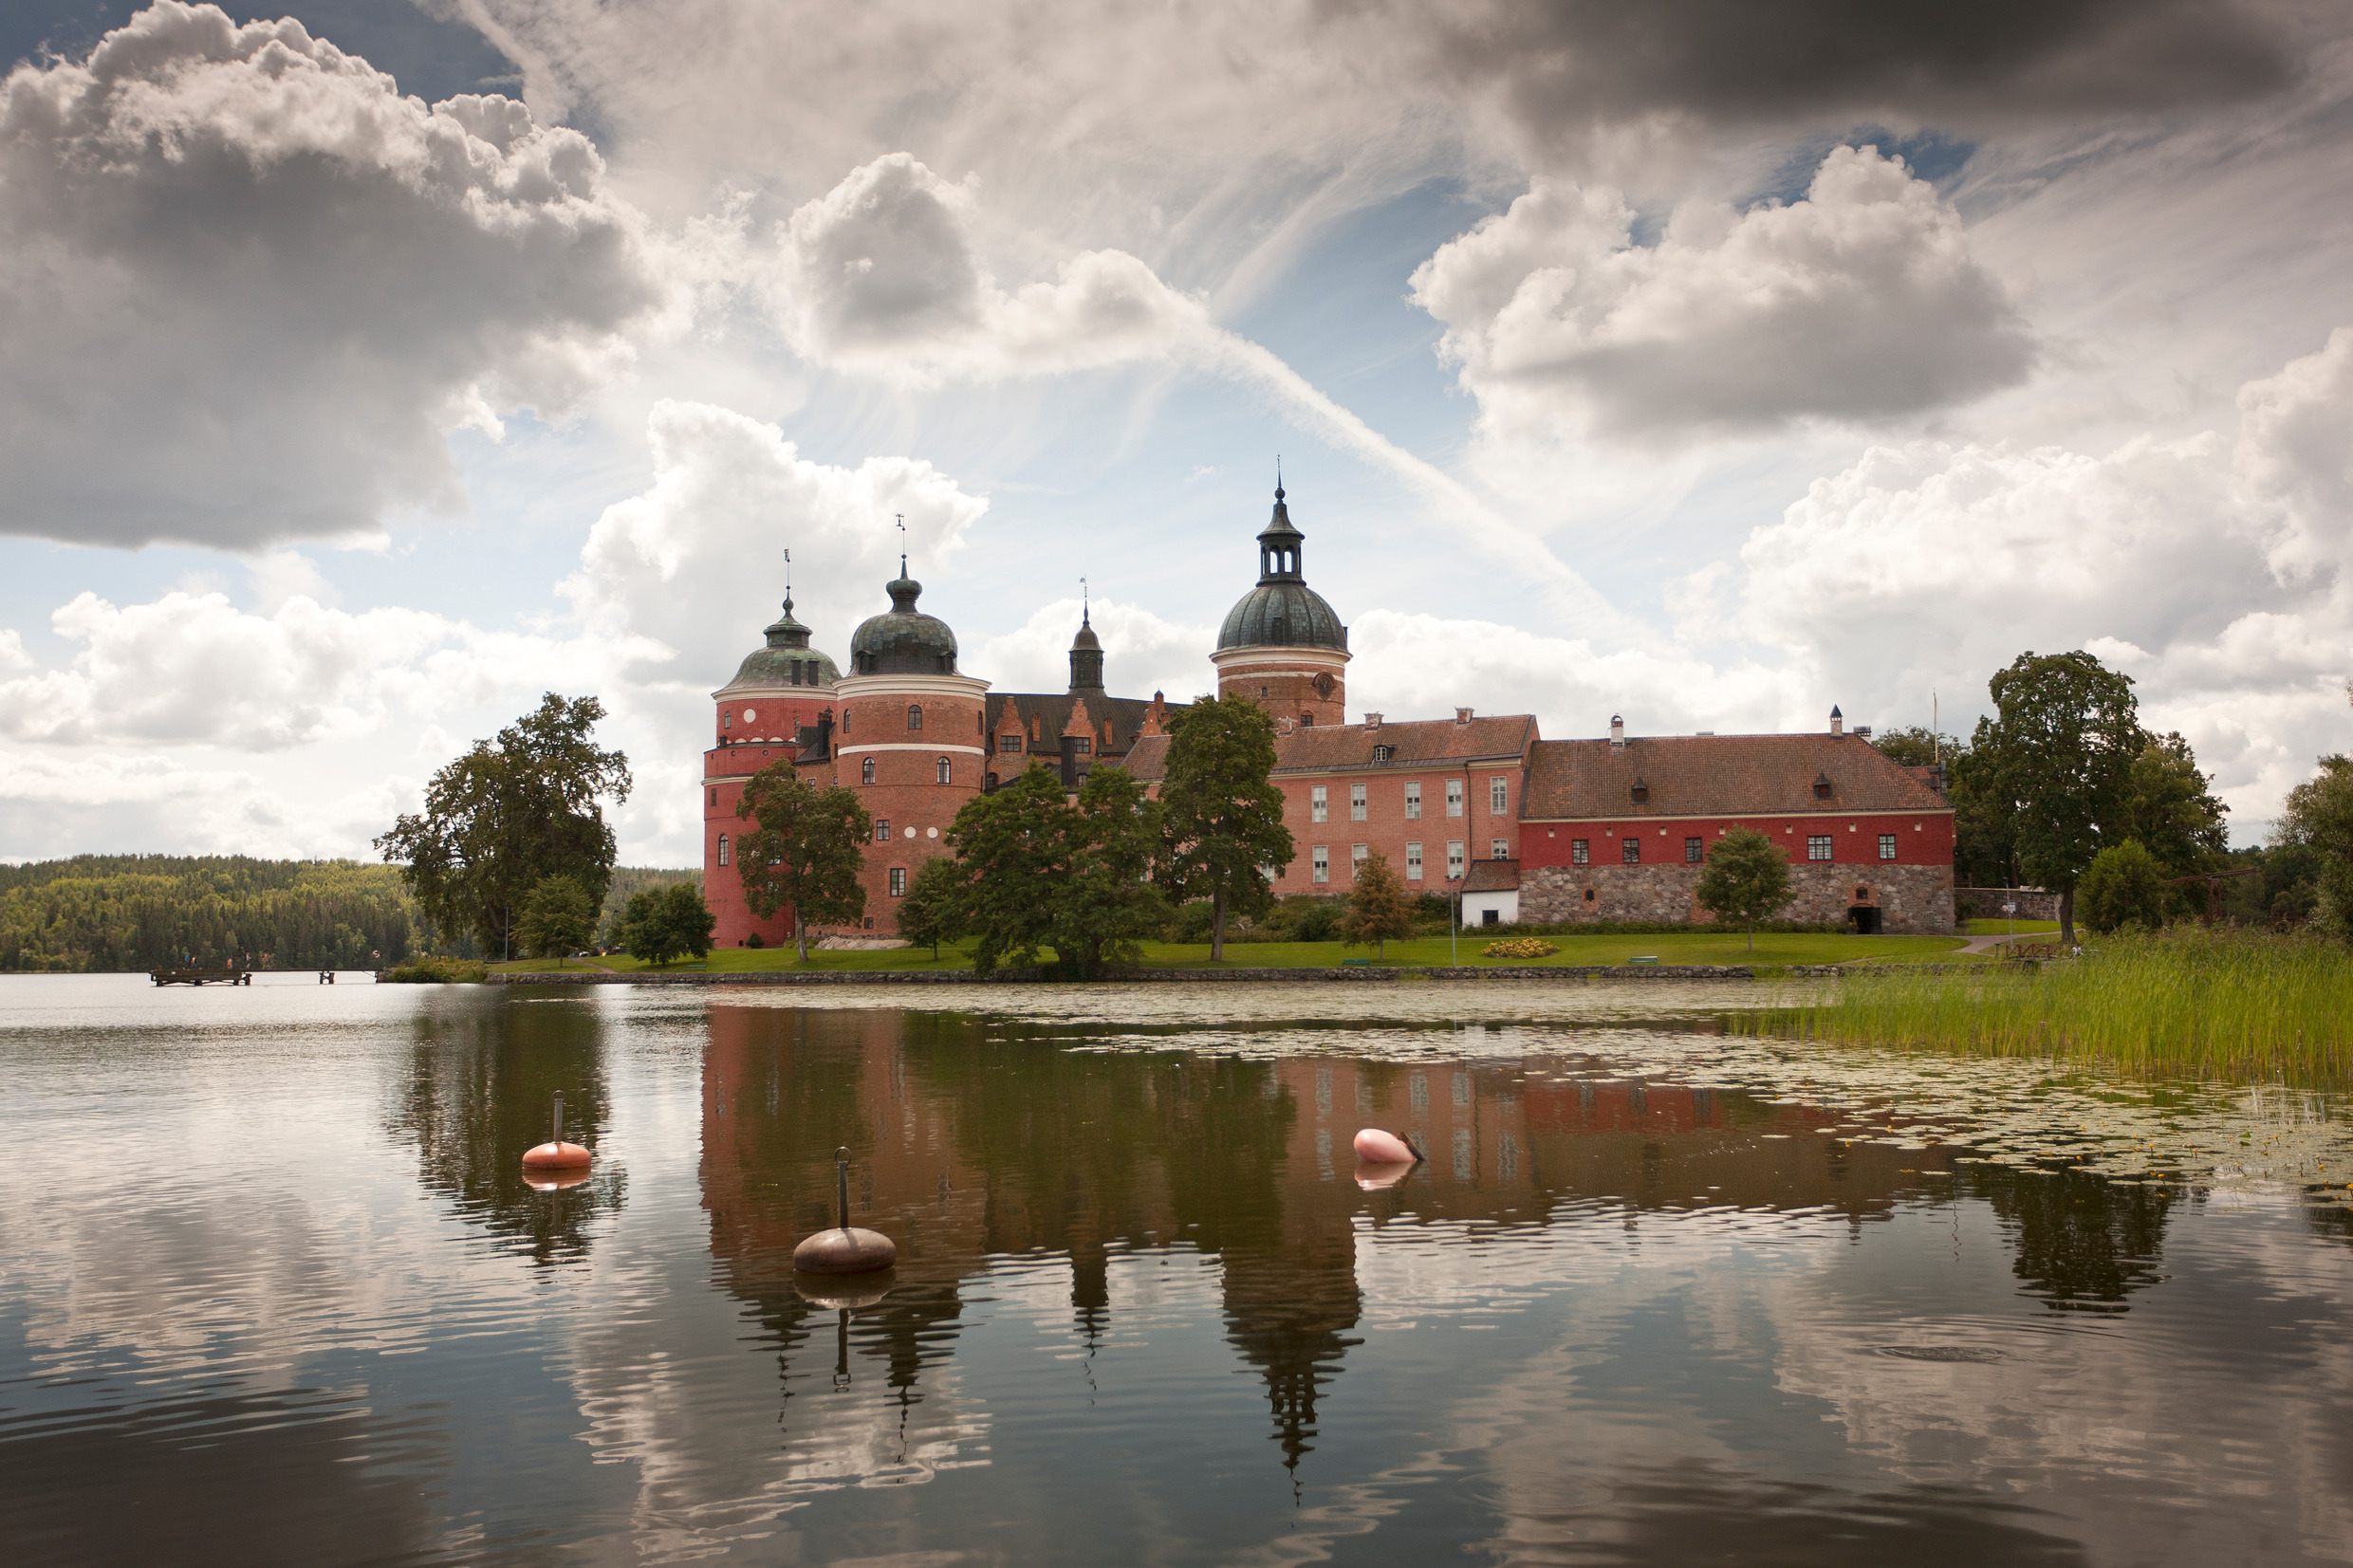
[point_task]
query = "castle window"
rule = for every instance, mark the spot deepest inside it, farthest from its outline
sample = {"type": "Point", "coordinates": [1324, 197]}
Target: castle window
{"type": "Point", "coordinates": [1453, 857]}
{"type": "Point", "coordinates": [1579, 851]}
{"type": "Point", "coordinates": [1887, 846]}
{"type": "Point", "coordinates": [1355, 856]}
{"type": "Point", "coordinates": [1413, 800]}
{"type": "Point", "coordinates": [898, 881]}
{"type": "Point", "coordinates": [1307, 721]}
{"type": "Point", "coordinates": [1010, 745]}
{"type": "Point", "coordinates": [1413, 862]}
{"type": "Point", "coordinates": [1694, 851]}
{"type": "Point", "coordinates": [1082, 747]}
{"type": "Point", "coordinates": [1498, 796]}
{"type": "Point", "coordinates": [1454, 796]}
{"type": "Point", "coordinates": [1589, 895]}
{"type": "Point", "coordinates": [1321, 858]}
{"type": "Point", "coordinates": [722, 849]}
{"type": "Point", "coordinates": [990, 786]}
{"type": "Point", "coordinates": [881, 830]}
{"type": "Point", "coordinates": [1641, 793]}
{"type": "Point", "coordinates": [727, 720]}
{"type": "Point", "coordinates": [1383, 753]}
{"type": "Point", "coordinates": [795, 668]}
{"type": "Point", "coordinates": [865, 771]}
{"type": "Point", "coordinates": [1822, 787]}
{"type": "Point", "coordinates": [1818, 846]}
{"type": "Point", "coordinates": [1631, 850]}
{"type": "Point", "coordinates": [915, 715]}
{"type": "Point", "coordinates": [943, 770]}
{"type": "Point", "coordinates": [1318, 804]}
{"type": "Point", "coordinates": [1498, 849]}
{"type": "Point", "coordinates": [1355, 803]}
{"type": "Point", "coordinates": [714, 797]}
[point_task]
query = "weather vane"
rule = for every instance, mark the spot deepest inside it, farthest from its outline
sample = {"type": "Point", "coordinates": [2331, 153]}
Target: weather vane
{"type": "Point", "coordinates": [902, 541]}
{"type": "Point", "coordinates": [1085, 608]}
{"type": "Point", "coordinates": [787, 577]}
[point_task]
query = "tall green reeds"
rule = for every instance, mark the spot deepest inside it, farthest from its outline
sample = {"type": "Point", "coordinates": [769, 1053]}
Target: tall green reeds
{"type": "Point", "coordinates": [2183, 1003]}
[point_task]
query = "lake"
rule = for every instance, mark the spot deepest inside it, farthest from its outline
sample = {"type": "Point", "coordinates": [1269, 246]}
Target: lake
{"type": "Point", "coordinates": [275, 1289]}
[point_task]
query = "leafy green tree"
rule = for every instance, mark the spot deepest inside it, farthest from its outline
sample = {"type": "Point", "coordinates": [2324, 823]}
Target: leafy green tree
{"type": "Point", "coordinates": [1747, 878]}
{"type": "Point", "coordinates": [2170, 810]}
{"type": "Point", "coordinates": [1381, 909]}
{"type": "Point", "coordinates": [1221, 814]}
{"type": "Point", "coordinates": [662, 924]}
{"type": "Point", "coordinates": [2123, 886]}
{"type": "Point", "coordinates": [2058, 752]}
{"type": "Point", "coordinates": [2320, 819]}
{"type": "Point", "coordinates": [507, 814]}
{"type": "Point", "coordinates": [558, 918]}
{"type": "Point", "coordinates": [935, 908]}
{"type": "Point", "coordinates": [806, 852]}
{"type": "Point", "coordinates": [1916, 745]}
{"type": "Point", "coordinates": [1044, 871]}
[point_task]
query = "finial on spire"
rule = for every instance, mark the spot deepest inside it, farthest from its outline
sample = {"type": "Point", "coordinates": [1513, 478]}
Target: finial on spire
{"type": "Point", "coordinates": [787, 582]}
{"type": "Point", "coordinates": [1278, 477]}
{"type": "Point", "coordinates": [1085, 608]}
{"type": "Point", "coordinates": [902, 541]}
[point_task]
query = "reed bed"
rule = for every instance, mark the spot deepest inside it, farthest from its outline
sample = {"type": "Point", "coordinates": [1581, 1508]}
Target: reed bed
{"type": "Point", "coordinates": [2186, 1004]}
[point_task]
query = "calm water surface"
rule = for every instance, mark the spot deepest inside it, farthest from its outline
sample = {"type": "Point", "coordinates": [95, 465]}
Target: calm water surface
{"type": "Point", "coordinates": [274, 1289]}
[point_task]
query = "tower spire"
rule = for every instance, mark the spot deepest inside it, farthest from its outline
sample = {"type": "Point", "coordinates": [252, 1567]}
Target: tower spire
{"type": "Point", "coordinates": [1278, 477]}
{"type": "Point", "coordinates": [901, 518]}
{"type": "Point", "coordinates": [1085, 607]}
{"type": "Point", "coordinates": [787, 582]}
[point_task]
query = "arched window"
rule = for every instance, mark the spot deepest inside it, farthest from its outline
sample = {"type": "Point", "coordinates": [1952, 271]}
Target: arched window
{"type": "Point", "coordinates": [943, 770]}
{"type": "Point", "coordinates": [915, 715]}
{"type": "Point", "coordinates": [722, 849]}
{"type": "Point", "coordinates": [727, 720]}
{"type": "Point", "coordinates": [865, 771]}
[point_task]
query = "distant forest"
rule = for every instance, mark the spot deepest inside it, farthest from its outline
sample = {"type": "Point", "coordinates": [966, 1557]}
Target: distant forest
{"type": "Point", "coordinates": [99, 912]}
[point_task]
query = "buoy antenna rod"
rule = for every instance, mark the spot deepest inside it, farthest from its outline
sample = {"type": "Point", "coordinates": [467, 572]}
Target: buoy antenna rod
{"type": "Point", "coordinates": [841, 1178]}
{"type": "Point", "coordinates": [557, 1137]}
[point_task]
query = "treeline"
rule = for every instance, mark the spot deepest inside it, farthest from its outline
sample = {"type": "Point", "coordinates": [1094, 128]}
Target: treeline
{"type": "Point", "coordinates": [98, 913]}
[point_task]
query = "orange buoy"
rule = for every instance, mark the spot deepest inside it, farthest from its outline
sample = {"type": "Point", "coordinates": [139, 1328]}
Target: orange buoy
{"type": "Point", "coordinates": [556, 1154]}
{"type": "Point", "coordinates": [1375, 1147]}
{"type": "Point", "coordinates": [847, 1248]}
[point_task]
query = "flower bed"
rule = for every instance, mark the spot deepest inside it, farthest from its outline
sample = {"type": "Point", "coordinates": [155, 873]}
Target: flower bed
{"type": "Point", "coordinates": [1520, 946]}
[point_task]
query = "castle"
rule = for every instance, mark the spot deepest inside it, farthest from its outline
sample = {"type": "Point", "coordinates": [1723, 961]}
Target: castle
{"type": "Point", "coordinates": [1522, 828]}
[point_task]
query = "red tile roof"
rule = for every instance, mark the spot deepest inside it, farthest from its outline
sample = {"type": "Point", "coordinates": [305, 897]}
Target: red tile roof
{"type": "Point", "coordinates": [1491, 876]}
{"type": "Point", "coordinates": [1327, 749]}
{"type": "Point", "coordinates": [1717, 776]}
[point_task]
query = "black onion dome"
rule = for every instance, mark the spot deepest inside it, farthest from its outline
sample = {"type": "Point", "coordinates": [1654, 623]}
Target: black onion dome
{"type": "Point", "coordinates": [903, 641]}
{"type": "Point", "coordinates": [786, 659]}
{"type": "Point", "coordinates": [1282, 612]}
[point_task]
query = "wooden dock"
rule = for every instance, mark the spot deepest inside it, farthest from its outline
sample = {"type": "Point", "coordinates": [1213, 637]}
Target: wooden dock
{"type": "Point", "coordinates": [202, 977]}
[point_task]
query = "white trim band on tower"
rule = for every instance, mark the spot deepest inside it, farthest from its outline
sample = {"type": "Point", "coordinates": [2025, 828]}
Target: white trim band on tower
{"type": "Point", "coordinates": [907, 746]}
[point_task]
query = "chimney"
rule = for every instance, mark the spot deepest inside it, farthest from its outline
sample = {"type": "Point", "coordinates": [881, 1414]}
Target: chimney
{"type": "Point", "coordinates": [1617, 732]}
{"type": "Point", "coordinates": [1372, 721]}
{"type": "Point", "coordinates": [1462, 715]}
{"type": "Point", "coordinates": [1863, 732]}
{"type": "Point", "coordinates": [1837, 720]}
{"type": "Point", "coordinates": [1282, 724]}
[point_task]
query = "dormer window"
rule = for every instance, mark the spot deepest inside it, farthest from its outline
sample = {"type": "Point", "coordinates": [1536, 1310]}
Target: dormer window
{"type": "Point", "coordinates": [1641, 793]}
{"type": "Point", "coordinates": [1822, 787]}
{"type": "Point", "coordinates": [1383, 753]}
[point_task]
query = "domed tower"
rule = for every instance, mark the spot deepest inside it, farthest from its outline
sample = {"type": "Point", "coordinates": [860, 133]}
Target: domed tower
{"type": "Point", "coordinates": [1086, 657]}
{"type": "Point", "coordinates": [1282, 646]}
{"type": "Point", "coordinates": [780, 694]}
{"type": "Point", "coordinates": [909, 741]}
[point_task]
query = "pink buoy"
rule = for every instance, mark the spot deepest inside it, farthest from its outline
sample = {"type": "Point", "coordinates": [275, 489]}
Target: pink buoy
{"type": "Point", "coordinates": [847, 1248]}
{"type": "Point", "coordinates": [1379, 1178]}
{"type": "Point", "coordinates": [1375, 1147]}
{"type": "Point", "coordinates": [556, 1154]}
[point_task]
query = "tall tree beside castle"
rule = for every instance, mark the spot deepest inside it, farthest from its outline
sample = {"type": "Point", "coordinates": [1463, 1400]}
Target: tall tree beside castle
{"type": "Point", "coordinates": [806, 852]}
{"type": "Point", "coordinates": [511, 812]}
{"type": "Point", "coordinates": [1221, 816]}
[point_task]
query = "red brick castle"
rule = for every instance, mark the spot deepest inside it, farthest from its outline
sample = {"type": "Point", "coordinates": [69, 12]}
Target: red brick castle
{"type": "Point", "coordinates": [1608, 829]}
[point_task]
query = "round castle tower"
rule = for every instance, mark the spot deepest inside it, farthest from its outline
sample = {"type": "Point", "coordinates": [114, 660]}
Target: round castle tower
{"type": "Point", "coordinates": [782, 693]}
{"type": "Point", "coordinates": [908, 740]}
{"type": "Point", "coordinates": [1281, 645]}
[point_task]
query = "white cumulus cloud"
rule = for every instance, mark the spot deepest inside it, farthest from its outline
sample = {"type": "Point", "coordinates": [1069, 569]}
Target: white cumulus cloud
{"type": "Point", "coordinates": [247, 287]}
{"type": "Point", "coordinates": [1142, 651]}
{"type": "Point", "coordinates": [1858, 302]}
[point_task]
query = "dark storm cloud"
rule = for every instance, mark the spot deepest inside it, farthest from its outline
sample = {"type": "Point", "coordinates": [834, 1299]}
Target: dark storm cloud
{"type": "Point", "coordinates": [1564, 66]}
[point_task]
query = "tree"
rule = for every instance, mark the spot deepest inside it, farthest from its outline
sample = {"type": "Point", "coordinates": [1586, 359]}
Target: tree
{"type": "Point", "coordinates": [2319, 818]}
{"type": "Point", "coordinates": [507, 814]}
{"type": "Point", "coordinates": [2170, 810]}
{"type": "Point", "coordinates": [2123, 886]}
{"type": "Point", "coordinates": [666, 923]}
{"type": "Point", "coordinates": [1916, 745]}
{"type": "Point", "coordinates": [1381, 909]}
{"type": "Point", "coordinates": [1043, 870]}
{"type": "Point", "coordinates": [2059, 754]}
{"type": "Point", "coordinates": [1745, 878]}
{"type": "Point", "coordinates": [806, 854]}
{"type": "Point", "coordinates": [1221, 814]}
{"type": "Point", "coordinates": [558, 918]}
{"type": "Point", "coordinates": [935, 910]}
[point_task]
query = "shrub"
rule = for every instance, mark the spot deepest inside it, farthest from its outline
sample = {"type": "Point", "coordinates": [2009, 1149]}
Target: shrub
{"type": "Point", "coordinates": [754, 941]}
{"type": "Point", "coordinates": [2124, 887]}
{"type": "Point", "coordinates": [433, 969]}
{"type": "Point", "coordinates": [1520, 946]}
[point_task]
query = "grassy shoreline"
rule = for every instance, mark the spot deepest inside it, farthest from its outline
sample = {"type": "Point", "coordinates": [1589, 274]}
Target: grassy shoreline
{"type": "Point", "coordinates": [1772, 952]}
{"type": "Point", "coordinates": [2184, 1003]}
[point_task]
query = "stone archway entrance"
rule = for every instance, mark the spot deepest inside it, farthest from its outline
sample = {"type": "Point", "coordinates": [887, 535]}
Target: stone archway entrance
{"type": "Point", "coordinates": [1865, 913]}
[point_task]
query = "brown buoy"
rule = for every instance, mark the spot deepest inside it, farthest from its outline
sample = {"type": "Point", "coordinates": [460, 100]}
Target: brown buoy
{"type": "Point", "coordinates": [845, 1249]}
{"type": "Point", "coordinates": [556, 1154]}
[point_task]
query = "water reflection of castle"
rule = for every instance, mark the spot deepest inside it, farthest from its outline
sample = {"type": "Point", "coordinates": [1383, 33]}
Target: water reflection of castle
{"type": "Point", "coordinates": [977, 1144]}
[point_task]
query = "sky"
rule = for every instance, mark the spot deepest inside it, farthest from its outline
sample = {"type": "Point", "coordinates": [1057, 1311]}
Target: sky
{"type": "Point", "coordinates": [370, 370]}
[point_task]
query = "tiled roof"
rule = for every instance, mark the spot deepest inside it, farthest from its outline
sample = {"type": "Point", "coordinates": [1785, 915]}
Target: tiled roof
{"type": "Point", "coordinates": [1491, 876]}
{"type": "Point", "coordinates": [1149, 760]}
{"type": "Point", "coordinates": [1118, 720]}
{"type": "Point", "coordinates": [1717, 776]}
{"type": "Point", "coordinates": [1419, 742]}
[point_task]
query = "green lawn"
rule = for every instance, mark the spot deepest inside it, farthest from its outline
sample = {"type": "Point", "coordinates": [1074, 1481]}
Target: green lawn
{"type": "Point", "coordinates": [1701, 947]}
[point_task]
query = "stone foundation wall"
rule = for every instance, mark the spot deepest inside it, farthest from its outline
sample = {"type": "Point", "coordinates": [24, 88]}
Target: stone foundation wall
{"type": "Point", "coordinates": [1986, 903]}
{"type": "Point", "coordinates": [1912, 900]}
